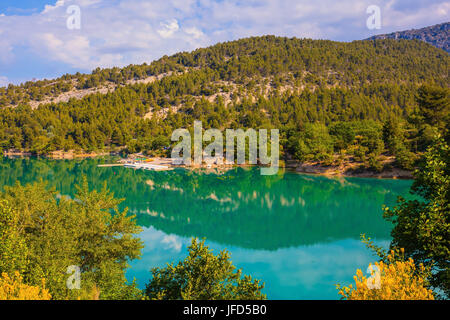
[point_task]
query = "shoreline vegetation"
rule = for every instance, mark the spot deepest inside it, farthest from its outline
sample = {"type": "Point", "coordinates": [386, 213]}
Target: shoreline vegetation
{"type": "Point", "coordinates": [347, 167]}
{"type": "Point", "coordinates": [363, 108]}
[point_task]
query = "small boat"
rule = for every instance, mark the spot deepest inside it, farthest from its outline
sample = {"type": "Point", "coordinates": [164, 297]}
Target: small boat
{"type": "Point", "coordinates": [147, 166]}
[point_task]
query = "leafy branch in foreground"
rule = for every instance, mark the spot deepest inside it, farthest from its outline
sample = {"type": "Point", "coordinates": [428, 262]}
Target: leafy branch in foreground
{"type": "Point", "coordinates": [423, 227]}
{"type": "Point", "coordinates": [203, 276]}
{"type": "Point", "coordinates": [394, 277]}
{"type": "Point", "coordinates": [44, 233]}
{"type": "Point", "coordinates": [396, 280]}
{"type": "Point", "coordinates": [13, 288]}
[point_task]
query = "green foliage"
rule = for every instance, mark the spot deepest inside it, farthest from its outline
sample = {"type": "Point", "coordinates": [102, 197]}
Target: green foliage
{"type": "Point", "coordinates": [343, 134]}
{"type": "Point", "coordinates": [369, 135]}
{"type": "Point", "coordinates": [13, 249]}
{"type": "Point", "coordinates": [434, 105]}
{"type": "Point", "coordinates": [433, 114]}
{"type": "Point", "coordinates": [393, 136]}
{"type": "Point", "coordinates": [88, 232]}
{"type": "Point", "coordinates": [312, 143]}
{"type": "Point", "coordinates": [203, 276]}
{"type": "Point", "coordinates": [374, 163]}
{"type": "Point", "coordinates": [422, 227]}
{"type": "Point", "coordinates": [405, 159]}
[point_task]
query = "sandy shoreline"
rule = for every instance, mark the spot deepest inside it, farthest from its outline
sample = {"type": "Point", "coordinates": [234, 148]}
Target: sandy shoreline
{"type": "Point", "coordinates": [59, 155]}
{"type": "Point", "coordinates": [350, 170]}
{"type": "Point", "coordinates": [344, 170]}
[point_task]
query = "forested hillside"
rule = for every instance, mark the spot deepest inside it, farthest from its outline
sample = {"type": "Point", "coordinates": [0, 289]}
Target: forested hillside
{"type": "Point", "coordinates": [437, 35]}
{"type": "Point", "coordinates": [360, 99]}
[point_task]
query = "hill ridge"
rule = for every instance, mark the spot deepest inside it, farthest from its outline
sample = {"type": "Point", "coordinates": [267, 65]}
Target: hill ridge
{"type": "Point", "coordinates": [304, 58]}
{"type": "Point", "coordinates": [437, 35]}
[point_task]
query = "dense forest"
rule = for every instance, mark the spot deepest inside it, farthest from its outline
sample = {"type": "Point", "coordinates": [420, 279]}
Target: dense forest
{"type": "Point", "coordinates": [329, 99]}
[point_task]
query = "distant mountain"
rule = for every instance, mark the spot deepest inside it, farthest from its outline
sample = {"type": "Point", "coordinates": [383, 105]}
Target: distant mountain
{"type": "Point", "coordinates": [437, 35]}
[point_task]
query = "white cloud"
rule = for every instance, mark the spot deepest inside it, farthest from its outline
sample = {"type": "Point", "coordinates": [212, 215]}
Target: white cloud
{"type": "Point", "coordinates": [196, 33]}
{"type": "Point", "coordinates": [6, 52]}
{"type": "Point", "coordinates": [172, 242]}
{"type": "Point", "coordinates": [398, 19]}
{"type": "Point", "coordinates": [121, 32]}
{"type": "Point", "coordinates": [49, 8]}
{"type": "Point", "coordinates": [168, 28]}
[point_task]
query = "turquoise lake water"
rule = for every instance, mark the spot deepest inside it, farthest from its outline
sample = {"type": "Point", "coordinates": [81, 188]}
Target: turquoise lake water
{"type": "Point", "coordinates": [300, 234]}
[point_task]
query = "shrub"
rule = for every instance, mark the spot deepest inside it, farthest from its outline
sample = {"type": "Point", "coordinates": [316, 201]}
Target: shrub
{"type": "Point", "coordinates": [203, 276]}
{"type": "Point", "coordinates": [13, 288]}
{"type": "Point", "coordinates": [394, 280]}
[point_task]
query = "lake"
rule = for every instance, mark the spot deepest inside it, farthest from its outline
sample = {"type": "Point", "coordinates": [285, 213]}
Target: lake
{"type": "Point", "coordinates": [299, 233]}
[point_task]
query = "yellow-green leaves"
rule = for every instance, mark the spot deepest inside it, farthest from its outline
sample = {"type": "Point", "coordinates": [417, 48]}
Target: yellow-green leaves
{"type": "Point", "coordinates": [203, 276]}
{"type": "Point", "coordinates": [397, 280]}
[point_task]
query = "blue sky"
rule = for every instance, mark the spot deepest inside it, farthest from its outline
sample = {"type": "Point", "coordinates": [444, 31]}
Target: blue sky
{"type": "Point", "coordinates": [24, 8]}
{"type": "Point", "coordinates": [36, 42]}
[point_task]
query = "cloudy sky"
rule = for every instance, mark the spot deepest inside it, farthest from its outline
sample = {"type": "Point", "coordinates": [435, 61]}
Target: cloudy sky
{"type": "Point", "coordinates": [41, 39]}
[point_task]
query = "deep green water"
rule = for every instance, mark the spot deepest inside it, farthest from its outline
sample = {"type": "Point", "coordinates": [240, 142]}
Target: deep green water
{"type": "Point", "coordinates": [298, 233]}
